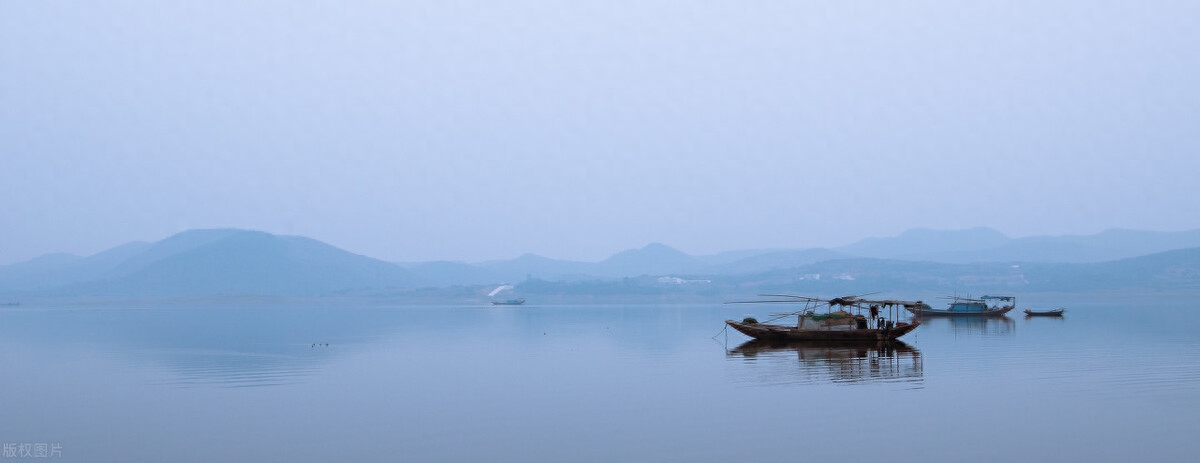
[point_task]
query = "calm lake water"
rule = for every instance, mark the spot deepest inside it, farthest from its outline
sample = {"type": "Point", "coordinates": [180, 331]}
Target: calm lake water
{"type": "Point", "coordinates": [1108, 382]}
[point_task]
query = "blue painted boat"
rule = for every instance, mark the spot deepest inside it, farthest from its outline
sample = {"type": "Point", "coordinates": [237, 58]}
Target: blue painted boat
{"type": "Point", "coordinates": [965, 306]}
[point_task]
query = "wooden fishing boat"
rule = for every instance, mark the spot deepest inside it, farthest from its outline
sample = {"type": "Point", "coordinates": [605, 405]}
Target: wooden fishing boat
{"type": "Point", "coordinates": [842, 320]}
{"type": "Point", "coordinates": [821, 332]}
{"type": "Point", "coordinates": [965, 306]}
{"type": "Point", "coordinates": [517, 301]}
{"type": "Point", "coordinates": [1045, 313]}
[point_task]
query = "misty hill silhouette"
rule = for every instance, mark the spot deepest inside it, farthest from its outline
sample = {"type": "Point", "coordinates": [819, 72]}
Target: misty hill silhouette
{"type": "Point", "coordinates": [987, 245]}
{"type": "Point", "coordinates": [220, 262]}
{"type": "Point", "coordinates": [223, 262]}
{"type": "Point", "coordinates": [920, 242]}
{"type": "Point", "coordinates": [654, 258]}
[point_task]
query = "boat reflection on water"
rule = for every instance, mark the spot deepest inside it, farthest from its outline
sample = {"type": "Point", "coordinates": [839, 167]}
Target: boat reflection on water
{"type": "Point", "coordinates": [974, 325]}
{"type": "Point", "coordinates": [822, 362]}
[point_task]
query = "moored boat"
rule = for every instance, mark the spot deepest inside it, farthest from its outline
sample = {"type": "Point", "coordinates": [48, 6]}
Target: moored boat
{"type": "Point", "coordinates": [1045, 313]}
{"type": "Point", "coordinates": [517, 301]}
{"type": "Point", "coordinates": [842, 320]}
{"type": "Point", "coordinates": [965, 306]}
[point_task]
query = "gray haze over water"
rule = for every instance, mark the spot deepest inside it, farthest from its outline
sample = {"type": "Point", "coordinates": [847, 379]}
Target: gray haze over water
{"type": "Point", "coordinates": [413, 131]}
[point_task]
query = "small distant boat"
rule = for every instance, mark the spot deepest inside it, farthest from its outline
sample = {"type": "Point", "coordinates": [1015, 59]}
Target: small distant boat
{"type": "Point", "coordinates": [984, 306]}
{"type": "Point", "coordinates": [848, 319]}
{"type": "Point", "coordinates": [1045, 313]}
{"type": "Point", "coordinates": [9, 304]}
{"type": "Point", "coordinates": [517, 301]}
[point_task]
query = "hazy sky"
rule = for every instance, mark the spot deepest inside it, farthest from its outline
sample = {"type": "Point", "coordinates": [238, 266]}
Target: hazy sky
{"type": "Point", "coordinates": [454, 130]}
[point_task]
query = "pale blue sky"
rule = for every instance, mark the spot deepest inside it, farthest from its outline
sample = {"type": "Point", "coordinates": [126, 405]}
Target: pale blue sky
{"type": "Point", "coordinates": [483, 130]}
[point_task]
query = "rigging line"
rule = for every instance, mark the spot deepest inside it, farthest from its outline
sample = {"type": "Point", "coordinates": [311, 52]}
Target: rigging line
{"type": "Point", "coordinates": [807, 308]}
{"type": "Point", "coordinates": [781, 317]}
{"type": "Point", "coordinates": [724, 345]}
{"type": "Point", "coordinates": [723, 330]}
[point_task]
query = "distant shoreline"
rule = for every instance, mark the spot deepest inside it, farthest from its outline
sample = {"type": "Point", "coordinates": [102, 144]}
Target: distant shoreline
{"type": "Point", "coordinates": [1133, 297]}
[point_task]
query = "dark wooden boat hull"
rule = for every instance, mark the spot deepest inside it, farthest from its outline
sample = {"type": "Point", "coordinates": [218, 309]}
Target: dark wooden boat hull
{"type": "Point", "coordinates": [781, 333]}
{"type": "Point", "coordinates": [1044, 313]}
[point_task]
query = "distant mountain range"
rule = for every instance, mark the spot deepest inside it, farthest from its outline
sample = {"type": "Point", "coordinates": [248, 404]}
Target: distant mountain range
{"type": "Point", "coordinates": [206, 262]}
{"type": "Point", "coordinates": [987, 245]}
{"type": "Point", "coordinates": [228, 262]}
